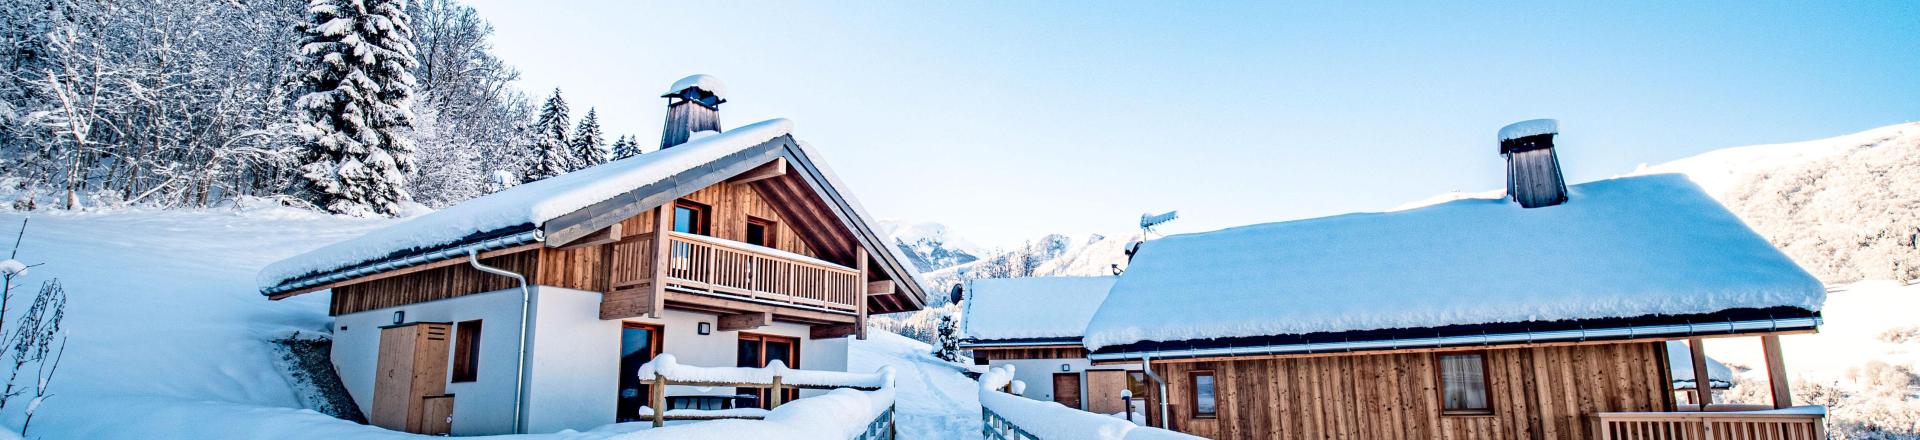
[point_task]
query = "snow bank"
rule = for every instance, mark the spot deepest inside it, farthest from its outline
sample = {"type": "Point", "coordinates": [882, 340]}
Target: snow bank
{"type": "Point", "coordinates": [1680, 360]}
{"type": "Point", "coordinates": [701, 80]}
{"type": "Point", "coordinates": [1035, 307]}
{"type": "Point", "coordinates": [526, 205]}
{"type": "Point", "coordinates": [1053, 421]}
{"type": "Point", "coordinates": [1628, 247]}
{"type": "Point", "coordinates": [667, 365]}
{"type": "Point", "coordinates": [837, 415]}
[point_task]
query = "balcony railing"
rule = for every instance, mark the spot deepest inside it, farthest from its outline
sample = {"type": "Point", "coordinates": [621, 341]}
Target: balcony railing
{"type": "Point", "coordinates": [730, 268]}
{"type": "Point", "coordinates": [1800, 423]}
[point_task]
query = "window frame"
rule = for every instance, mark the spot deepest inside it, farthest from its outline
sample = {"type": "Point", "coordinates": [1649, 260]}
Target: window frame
{"type": "Point", "coordinates": [768, 232]}
{"type": "Point", "coordinates": [793, 343]}
{"type": "Point", "coordinates": [1193, 394]}
{"type": "Point", "coordinates": [466, 352]}
{"type": "Point", "coordinates": [702, 219]}
{"type": "Point", "coordinates": [1440, 379]}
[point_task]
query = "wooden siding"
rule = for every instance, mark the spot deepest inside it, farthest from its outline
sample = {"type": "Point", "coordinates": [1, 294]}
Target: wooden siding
{"type": "Point", "coordinates": [1537, 393]}
{"type": "Point", "coordinates": [1030, 353]}
{"type": "Point", "coordinates": [431, 284]}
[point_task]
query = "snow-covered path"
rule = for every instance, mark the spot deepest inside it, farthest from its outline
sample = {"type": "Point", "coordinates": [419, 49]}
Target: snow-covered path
{"type": "Point", "coordinates": [935, 400]}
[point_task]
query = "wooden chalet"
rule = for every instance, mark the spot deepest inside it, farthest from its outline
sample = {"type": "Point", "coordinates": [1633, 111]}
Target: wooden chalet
{"type": "Point", "coordinates": [1035, 324]}
{"type": "Point", "coordinates": [1542, 316]}
{"type": "Point", "coordinates": [529, 310]}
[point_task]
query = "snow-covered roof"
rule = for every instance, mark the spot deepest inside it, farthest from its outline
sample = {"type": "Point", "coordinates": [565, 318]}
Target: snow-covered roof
{"type": "Point", "coordinates": [1680, 361]}
{"type": "Point", "coordinates": [1531, 127]}
{"type": "Point", "coordinates": [701, 80]}
{"type": "Point", "coordinates": [1620, 248]}
{"type": "Point", "coordinates": [1032, 308]}
{"type": "Point", "coordinates": [524, 206]}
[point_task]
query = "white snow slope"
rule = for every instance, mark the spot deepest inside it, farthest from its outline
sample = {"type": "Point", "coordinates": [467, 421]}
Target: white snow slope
{"type": "Point", "coordinates": [169, 338]}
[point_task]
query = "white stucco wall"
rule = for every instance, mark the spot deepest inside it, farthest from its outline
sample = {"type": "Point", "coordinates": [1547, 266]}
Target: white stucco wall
{"type": "Point", "coordinates": [478, 406]}
{"type": "Point", "coordinates": [573, 367]}
{"type": "Point", "coordinates": [1038, 374]}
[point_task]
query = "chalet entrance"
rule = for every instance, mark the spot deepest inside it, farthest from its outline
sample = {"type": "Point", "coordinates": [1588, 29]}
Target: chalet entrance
{"type": "Point", "coordinates": [1066, 389]}
{"type": "Point", "coordinates": [639, 343]}
{"type": "Point", "coordinates": [410, 388]}
{"type": "Point", "coordinates": [756, 351]}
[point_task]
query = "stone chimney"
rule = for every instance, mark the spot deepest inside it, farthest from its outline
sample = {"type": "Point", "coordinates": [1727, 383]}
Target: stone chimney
{"type": "Point", "coordinates": [693, 105]}
{"type": "Point", "coordinates": [1533, 169]}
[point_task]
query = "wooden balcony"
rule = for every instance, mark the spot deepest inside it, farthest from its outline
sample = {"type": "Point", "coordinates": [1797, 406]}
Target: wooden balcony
{"type": "Point", "coordinates": [1801, 423]}
{"type": "Point", "coordinates": [729, 270]}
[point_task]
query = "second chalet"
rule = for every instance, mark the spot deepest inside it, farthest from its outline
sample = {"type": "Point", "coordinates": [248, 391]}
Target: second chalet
{"type": "Point", "coordinates": [1545, 315]}
{"type": "Point", "coordinates": [530, 309]}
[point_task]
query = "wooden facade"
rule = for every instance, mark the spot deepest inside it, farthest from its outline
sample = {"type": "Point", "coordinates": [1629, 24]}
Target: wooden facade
{"type": "Point", "coordinates": [1538, 392]}
{"type": "Point", "coordinates": [983, 354]}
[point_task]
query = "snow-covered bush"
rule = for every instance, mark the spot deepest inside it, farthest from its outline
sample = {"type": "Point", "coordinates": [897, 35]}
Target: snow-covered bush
{"type": "Point", "coordinates": [947, 348]}
{"type": "Point", "coordinates": [35, 344]}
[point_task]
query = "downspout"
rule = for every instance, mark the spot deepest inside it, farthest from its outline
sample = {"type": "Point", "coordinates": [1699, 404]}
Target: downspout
{"type": "Point", "coordinates": [1146, 363]}
{"type": "Point", "coordinates": [526, 298]}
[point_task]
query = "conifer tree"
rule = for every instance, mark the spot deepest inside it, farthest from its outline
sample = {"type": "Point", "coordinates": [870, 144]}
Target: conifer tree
{"type": "Point", "coordinates": [357, 105]}
{"type": "Point", "coordinates": [551, 154]}
{"type": "Point", "coordinates": [947, 344]}
{"type": "Point", "coordinates": [589, 148]}
{"type": "Point", "coordinates": [625, 148]}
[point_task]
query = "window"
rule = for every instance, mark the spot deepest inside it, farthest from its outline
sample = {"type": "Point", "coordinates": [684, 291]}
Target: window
{"type": "Point", "coordinates": [1203, 398]}
{"type": "Point", "coordinates": [759, 232]}
{"type": "Point", "coordinates": [690, 217]}
{"type": "Point", "coordinates": [759, 350]}
{"type": "Point", "coordinates": [1463, 384]}
{"type": "Point", "coordinates": [466, 351]}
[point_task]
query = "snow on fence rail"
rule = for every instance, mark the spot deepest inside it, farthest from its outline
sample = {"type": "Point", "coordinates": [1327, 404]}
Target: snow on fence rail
{"type": "Point", "coordinates": [1007, 416]}
{"type": "Point", "coordinates": [849, 390]}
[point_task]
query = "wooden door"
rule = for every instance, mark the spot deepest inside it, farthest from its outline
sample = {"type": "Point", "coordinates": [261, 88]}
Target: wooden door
{"type": "Point", "coordinates": [412, 365]}
{"type": "Point", "coordinates": [1066, 389]}
{"type": "Point", "coordinates": [1103, 391]}
{"type": "Point", "coordinates": [436, 415]}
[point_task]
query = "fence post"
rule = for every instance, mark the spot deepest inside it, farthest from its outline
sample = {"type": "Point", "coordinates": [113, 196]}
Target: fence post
{"type": "Point", "coordinates": [776, 396]}
{"type": "Point", "coordinates": [659, 400]}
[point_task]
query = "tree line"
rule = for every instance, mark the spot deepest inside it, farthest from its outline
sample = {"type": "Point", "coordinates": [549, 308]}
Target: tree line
{"type": "Point", "coordinates": [359, 108]}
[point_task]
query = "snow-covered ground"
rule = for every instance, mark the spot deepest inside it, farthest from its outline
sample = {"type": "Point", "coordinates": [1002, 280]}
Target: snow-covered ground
{"type": "Point", "coordinates": [171, 339]}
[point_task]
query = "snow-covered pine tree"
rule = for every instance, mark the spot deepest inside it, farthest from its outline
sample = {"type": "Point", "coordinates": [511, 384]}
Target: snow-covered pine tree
{"type": "Point", "coordinates": [357, 105]}
{"type": "Point", "coordinates": [589, 148]}
{"type": "Point", "coordinates": [551, 154]}
{"type": "Point", "coordinates": [625, 148]}
{"type": "Point", "coordinates": [947, 347]}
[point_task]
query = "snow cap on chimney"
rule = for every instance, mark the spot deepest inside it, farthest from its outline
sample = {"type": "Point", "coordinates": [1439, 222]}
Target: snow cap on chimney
{"type": "Point", "coordinates": [1533, 168]}
{"type": "Point", "coordinates": [693, 105]}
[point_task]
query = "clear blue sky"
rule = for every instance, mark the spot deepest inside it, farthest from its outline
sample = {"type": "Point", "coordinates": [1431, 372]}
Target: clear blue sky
{"type": "Point", "coordinates": [1010, 120]}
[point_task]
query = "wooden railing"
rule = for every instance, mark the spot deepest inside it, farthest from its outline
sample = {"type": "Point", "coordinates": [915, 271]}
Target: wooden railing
{"type": "Point", "coordinates": [1768, 425]}
{"type": "Point", "coordinates": [737, 269]}
{"type": "Point", "coordinates": [994, 427]}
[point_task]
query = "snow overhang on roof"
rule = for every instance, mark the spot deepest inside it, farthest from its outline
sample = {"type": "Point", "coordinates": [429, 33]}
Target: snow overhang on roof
{"type": "Point", "coordinates": [1033, 310]}
{"type": "Point", "coordinates": [533, 212]}
{"type": "Point", "coordinates": [1628, 248]}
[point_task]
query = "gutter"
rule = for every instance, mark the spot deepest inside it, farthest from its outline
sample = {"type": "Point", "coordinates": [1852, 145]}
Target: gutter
{"type": "Point", "coordinates": [1146, 364]}
{"type": "Point", "coordinates": [1628, 332]}
{"type": "Point", "coordinates": [526, 298]}
{"type": "Point", "coordinates": [397, 262]}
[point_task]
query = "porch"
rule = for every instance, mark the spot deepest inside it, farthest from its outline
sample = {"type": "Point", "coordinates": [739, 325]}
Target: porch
{"type": "Point", "coordinates": [745, 284]}
{"type": "Point", "coordinates": [1705, 419]}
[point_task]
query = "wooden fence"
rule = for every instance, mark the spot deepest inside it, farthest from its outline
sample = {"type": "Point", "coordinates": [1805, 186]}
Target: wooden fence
{"type": "Point", "coordinates": [994, 427]}
{"type": "Point", "coordinates": [1711, 426]}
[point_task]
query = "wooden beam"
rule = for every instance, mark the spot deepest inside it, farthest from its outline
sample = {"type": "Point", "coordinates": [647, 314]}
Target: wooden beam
{"type": "Point", "coordinates": [830, 331]}
{"type": "Point", "coordinates": [745, 321]}
{"type": "Point", "coordinates": [713, 304]}
{"type": "Point", "coordinates": [402, 271]}
{"type": "Point", "coordinates": [630, 302]}
{"type": "Point", "coordinates": [605, 235]}
{"type": "Point", "coordinates": [882, 287]}
{"type": "Point", "coordinates": [1702, 380]}
{"type": "Point", "coordinates": [776, 168]}
{"type": "Point", "coordinates": [1777, 371]}
{"type": "Point", "coordinates": [662, 221]}
{"type": "Point", "coordinates": [860, 255]}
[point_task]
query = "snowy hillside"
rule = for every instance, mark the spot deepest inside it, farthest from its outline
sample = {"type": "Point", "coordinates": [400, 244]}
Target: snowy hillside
{"type": "Point", "coordinates": [930, 245]}
{"type": "Point", "coordinates": [1847, 208]}
{"type": "Point", "coordinates": [1052, 255]}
